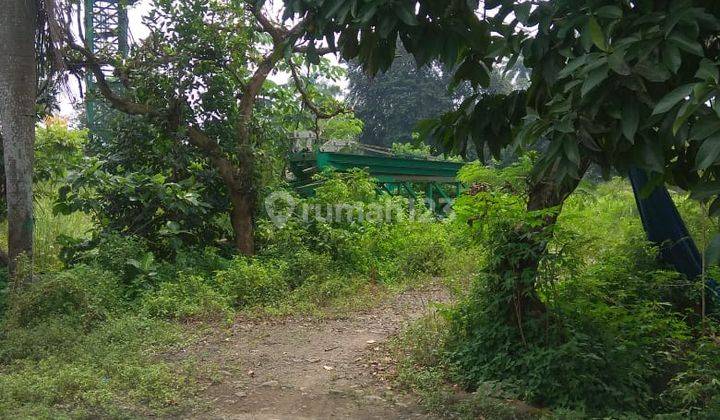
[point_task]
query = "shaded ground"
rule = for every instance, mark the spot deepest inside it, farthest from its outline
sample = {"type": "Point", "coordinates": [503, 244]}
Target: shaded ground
{"type": "Point", "coordinates": [308, 368]}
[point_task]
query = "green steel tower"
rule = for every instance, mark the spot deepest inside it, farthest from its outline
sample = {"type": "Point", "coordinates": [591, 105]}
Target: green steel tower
{"type": "Point", "coordinates": [106, 31]}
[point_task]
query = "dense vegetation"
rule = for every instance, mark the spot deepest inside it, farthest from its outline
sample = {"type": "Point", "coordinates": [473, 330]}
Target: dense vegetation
{"type": "Point", "coordinates": [622, 335]}
{"type": "Point", "coordinates": [126, 244]}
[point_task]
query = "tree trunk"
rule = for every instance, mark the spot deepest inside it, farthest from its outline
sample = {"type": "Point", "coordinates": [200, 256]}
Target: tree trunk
{"type": "Point", "coordinates": [544, 194]}
{"type": "Point", "coordinates": [17, 120]}
{"type": "Point", "coordinates": [4, 260]}
{"type": "Point", "coordinates": [241, 217]}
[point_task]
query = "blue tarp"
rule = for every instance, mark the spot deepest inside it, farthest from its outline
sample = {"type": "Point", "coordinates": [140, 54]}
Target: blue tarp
{"type": "Point", "coordinates": [665, 227]}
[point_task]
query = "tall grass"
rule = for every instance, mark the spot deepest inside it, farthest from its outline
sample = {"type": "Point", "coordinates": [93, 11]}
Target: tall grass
{"type": "Point", "coordinates": [49, 227]}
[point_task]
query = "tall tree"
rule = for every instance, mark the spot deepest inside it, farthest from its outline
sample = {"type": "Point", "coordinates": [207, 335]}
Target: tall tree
{"type": "Point", "coordinates": [17, 120]}
{"type": "Point", "coordinates": [392, 103]}
{"type": "Point", "coordinates": [200, 76]}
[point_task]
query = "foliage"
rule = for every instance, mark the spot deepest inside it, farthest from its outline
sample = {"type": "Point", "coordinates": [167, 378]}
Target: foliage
{"type": "Point", "coordinates": [620, 336]}
{"type": "Point", "coordinates": [53, 231]}
{"type": "Point", "coordinates": [384, 102]}
{"type": "Point", "coordinates": [57, 148]}
{"type": "Point", "coordinates": [252, 283]}
{"type": "Point", "coordinates": [139, 182]}
{"type": "Point", "coordinates": [618, 84]}
{"type": "Point", "coordinates": [422, 151]}
{"type": "Point", "coordinates": [84, 295]}
{"type": "Point", "coordinates": [69, 348]}
{"type": "Point", "coordinates": [342, 127]}
{"type": "Point", "coordinates": [189, 297]}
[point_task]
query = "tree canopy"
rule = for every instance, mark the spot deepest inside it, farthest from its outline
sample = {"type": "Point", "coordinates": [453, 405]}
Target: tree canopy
{"type": "Point", "coordinates": [383, 102]}
{"type": "Point", "coordinates": [618, 83]}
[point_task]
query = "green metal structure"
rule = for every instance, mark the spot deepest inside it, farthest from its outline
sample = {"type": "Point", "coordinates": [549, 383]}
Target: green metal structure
{"type": "Point", "coordinates": [434, 180]}
{"type": "Point", "coordinates": [106, 32]}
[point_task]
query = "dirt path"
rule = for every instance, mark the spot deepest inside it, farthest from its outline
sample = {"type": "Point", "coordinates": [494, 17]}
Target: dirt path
{"type": "Point", "coordinates": [303, 368]}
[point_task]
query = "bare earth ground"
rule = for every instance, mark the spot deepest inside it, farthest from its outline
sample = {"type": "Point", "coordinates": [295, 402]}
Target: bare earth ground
{"type": "Point", "coordinates": [304, 368]}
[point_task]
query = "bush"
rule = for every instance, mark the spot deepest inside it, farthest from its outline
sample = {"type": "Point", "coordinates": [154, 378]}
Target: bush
{"type": "Point", "coordinates": [85, 295]}
{"type": "Point", "coordinates": [619, 335]}
{"type": "Point", "coordinates": [253, 282]}
{"type": "Point", "coordinates": [191, 297]}
{"type": "Point", "coordinates": [109, 372]}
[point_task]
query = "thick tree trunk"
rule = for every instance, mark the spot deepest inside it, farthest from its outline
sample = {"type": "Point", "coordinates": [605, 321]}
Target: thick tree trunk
{"type": "Point", "coordinates": [544, 194]}
{"type": "Point", "coordinates": [4, 260]}
{"type": "Point", "coordinates": [17, 120]}
{"type": "Point", "coordinates": [241, 217]}
{"type": "Point", "coordinates": [243, 199]}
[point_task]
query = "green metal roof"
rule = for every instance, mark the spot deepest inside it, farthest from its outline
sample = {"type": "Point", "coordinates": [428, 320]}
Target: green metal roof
{"type": "Point", "coordinates": [385, 169]}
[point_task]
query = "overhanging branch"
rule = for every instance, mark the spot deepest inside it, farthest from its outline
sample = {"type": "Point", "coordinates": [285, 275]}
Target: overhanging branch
{"type": "Point", "coordinates": [319, 113]}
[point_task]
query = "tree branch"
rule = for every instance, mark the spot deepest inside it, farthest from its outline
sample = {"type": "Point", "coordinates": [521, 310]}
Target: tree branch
{"type": "Point", "coordinates": [121, 104]}
{"type": "Point", "coordinates": [172, 116]}
{"type": "Point", "coordinates": [306, 98]}
{"type": "Point", "coordinates": [212, 149]}
{"type": "Point", "coordinates": [276, 31]}
{"type": "Point", "coordinates": [304, 49]}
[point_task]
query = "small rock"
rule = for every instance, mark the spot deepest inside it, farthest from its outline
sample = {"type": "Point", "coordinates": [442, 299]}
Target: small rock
{"type": "Point", "coordinates": [241, 394]}
{"type": "Point", "coordinates": [270, 384]}
{"type": "Point", "coordinates": [371, 341]}
{"type": "Point", "coordinates": [328, 368]}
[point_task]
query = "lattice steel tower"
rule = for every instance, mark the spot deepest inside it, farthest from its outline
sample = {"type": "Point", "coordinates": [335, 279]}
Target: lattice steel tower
{"type": "Point", "coordinates": [106, 31]}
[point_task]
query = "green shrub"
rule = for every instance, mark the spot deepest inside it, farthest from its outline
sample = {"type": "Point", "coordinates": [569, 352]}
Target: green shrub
{"type": "Point", "coordinates": [694, 391]}
{"type": "Point", "coordinates": [85, 295]}
{"type": "Point", "coordinates": [110, 372]}
{"type": "Point", "coordinates": [617, 327]}
{"type": "Point", "coordinates": [253, 282]}
{"type": "Point", "coordinates": [421, 248]}
{"type": "Point", "coordinates": [190, 297]}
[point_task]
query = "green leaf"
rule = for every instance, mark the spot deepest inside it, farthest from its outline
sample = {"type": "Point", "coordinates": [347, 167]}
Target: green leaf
{"type": "Point", "coordinates": [708, 71]}
{"type": "Point", "coordinates": [571, 150]}
{"type": "Point", "coordinates": [567, 124]}
{"type": "Point", "coordinates": [712, 252]}
{"type": "Point", "coordinates": [597, 34]}
{"type": "Point", "coordinates": [687, 44]}
{"type": "Point", "coordinates": [387, 25]}
{"type": "Point", "coordinates": [673, 98]}
{"type": "Point", "coordinates": [671, 57]}
{"type": "Point", "coordinates": [654, 72]}
{"type": "Point", "coordinates": [572, 65]}
{"type": "Point", "coordinates": [708, 153]}
{"type": "Point", "coordinates": [705, 190]}
{"type": "Point", "coordinates": [685, 112]}
{"type": "Point", "coordinates": [406, 14]}
{"type": "Point", "coordinates": [367, 14]}
{"type": "Point", "coordinates": [609, 12]}
{"type": "Point", "coordinates": [586, 39]}
{"type": "Point", "coordinates": [704, 128]}
{"type": "Point", "coordinates": [714, 210]}
{"type": "Point", "coordinates": [630, 121]}
{"type": "Point", "coordinates": [617, 63]}
{"type": "Point", "coordinates": [522, 12]}
{"type": "Point", "coordinates": [333, 11]}
{"type": "Point", "coordinates": [593, 79]}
